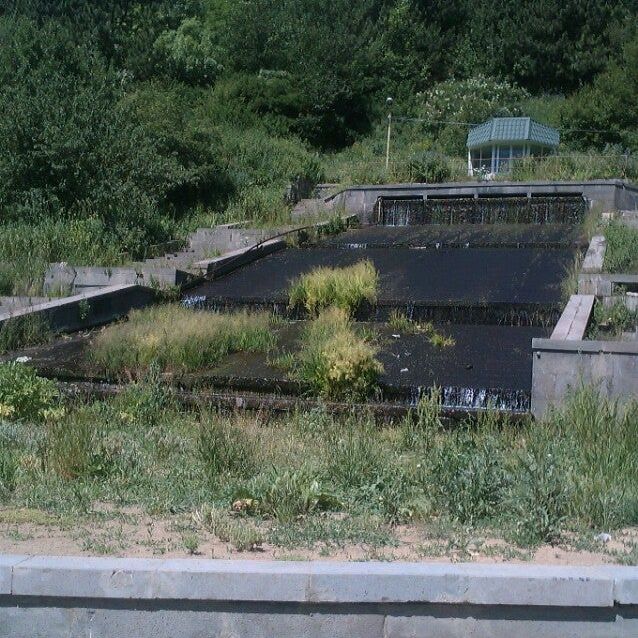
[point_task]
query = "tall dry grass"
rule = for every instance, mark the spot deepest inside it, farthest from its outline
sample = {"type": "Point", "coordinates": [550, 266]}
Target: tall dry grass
{"type": "Point", "coordinates": [177, 339]}
{"type": "Point", "coordinates": [345, 288]}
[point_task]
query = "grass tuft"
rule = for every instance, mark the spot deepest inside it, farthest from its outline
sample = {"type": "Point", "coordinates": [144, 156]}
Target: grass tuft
{"type": "Point", "coordinates": [23, 331]}
{"type": "Point", "coordinates": [345, 288]}
{"type": "Point", "coordinates": [179, 340]}
{"type": "Point", "coordinates": [335, 361]}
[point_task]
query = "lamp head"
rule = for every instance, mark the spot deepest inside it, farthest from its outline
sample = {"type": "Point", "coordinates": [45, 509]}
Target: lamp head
{"type": "Point", "coordinates": [388, 102]}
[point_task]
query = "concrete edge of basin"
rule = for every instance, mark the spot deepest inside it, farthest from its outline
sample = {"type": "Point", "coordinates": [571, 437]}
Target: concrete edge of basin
{"type": "Point", "coordinates": [317, 582]}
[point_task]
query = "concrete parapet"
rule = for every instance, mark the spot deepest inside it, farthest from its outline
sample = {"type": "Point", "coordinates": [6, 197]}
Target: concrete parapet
{"type": "Point", "coordinates": [88, 309]}
{"type": "Point", "coordinates": [573, 323]}
{"type": "Point", "coordinates": [49, 596]}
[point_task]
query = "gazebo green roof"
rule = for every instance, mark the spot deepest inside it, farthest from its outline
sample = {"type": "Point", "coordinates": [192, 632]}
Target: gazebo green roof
{"type": "Point", "coordinates": [512, 129]}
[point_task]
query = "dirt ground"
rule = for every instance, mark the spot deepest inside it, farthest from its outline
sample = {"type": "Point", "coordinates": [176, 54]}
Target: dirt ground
{"type": "Point", "coordinates": [135, 534]}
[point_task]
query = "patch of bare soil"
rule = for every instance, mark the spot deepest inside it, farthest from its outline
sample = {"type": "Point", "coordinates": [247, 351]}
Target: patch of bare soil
{"type": "Point", "coordinates": [133, 533]}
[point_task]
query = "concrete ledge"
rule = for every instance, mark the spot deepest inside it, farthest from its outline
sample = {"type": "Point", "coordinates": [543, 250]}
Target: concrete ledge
{"type": "Point", "coordinates": [111, 598]}
{"type": "Point", "coordinates": [603, 284]}
{"type": "Point", "coordinates": [319, 582]}
{"type": "Point", "coordinates": [595, 256]}
{"type": "Point", "coordinates": [573, 323]}
{"type": "Point", "coordinates": [590, 347]}
{"type": "Point", "coordinates": [88, 309]}
{"type": "Point", "coordinates": [225, 264]}
{"type": "Point", "coordinates": [80, 278]}
{"type": "Point", "coordinates": [7, 563]}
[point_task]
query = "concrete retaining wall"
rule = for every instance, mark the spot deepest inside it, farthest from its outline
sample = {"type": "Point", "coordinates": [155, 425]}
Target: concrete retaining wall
{"type": "Point", "coordinates": [560, 367]}
{"type": "Point", "coordinates": [88, 309]}
{"type": "Point", "coordinates": [102, 597]}
{"type": "Point", "coordinates": [611, 194]}
{"type": "Point", "coordinates": [85, 278]}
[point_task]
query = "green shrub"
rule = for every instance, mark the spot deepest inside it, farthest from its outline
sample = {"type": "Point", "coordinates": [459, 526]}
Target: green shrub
{"type": "Point", "coordinates": [334, 360]}
{"type": "Point", "coordinates": [346, 288]}
{"type": "Point", "coordinates": [179, 340]}
{"type": "Point", "coordinates": [77, 447]}
{"type": "Point", "coordinates": [621, 254]}
{"type": "Point", "coordinates": [542, 492]}
{"type": "Point", "coordinates": [26, 396]}
{"type": "Point", "coordinates": [288, 494]}
{"type": "Point", "coordinates": [146, 402]}
{"type": "Point", "coordinates": [419, 430]}
{"type": "Point", "coordinates": [8, 468]}
{"type": "Point", "coordinates": [23, 331]}
{"type": "Point", "coordinates": [611, 321]}
{"type": "Point", "coordinates": [430, 168]}
{"type": "Point", "coordinates": [225, 449]}
{"type": "Point", "coordinates": [469, 476]}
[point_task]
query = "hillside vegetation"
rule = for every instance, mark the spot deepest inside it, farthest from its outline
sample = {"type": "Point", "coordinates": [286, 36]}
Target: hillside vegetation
{"type": "Point", "coordinates": [127, 123]}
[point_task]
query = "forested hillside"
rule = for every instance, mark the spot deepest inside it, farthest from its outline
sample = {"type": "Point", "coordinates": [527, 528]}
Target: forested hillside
{"type": "Point", "coordinates": [127, 123]}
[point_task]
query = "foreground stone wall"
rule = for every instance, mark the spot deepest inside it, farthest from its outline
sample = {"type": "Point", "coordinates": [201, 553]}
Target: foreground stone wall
{"type": "Point", "coordinates": [102, 597]}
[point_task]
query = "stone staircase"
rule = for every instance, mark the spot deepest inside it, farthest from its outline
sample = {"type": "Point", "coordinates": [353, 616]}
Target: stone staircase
{"type": "Point", "coordinates": [171, 269]}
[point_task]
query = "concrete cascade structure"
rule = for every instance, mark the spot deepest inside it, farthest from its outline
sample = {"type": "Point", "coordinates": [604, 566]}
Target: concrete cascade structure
{"type": "Point", "coordinates": [611, 194]}
{"type": "Point", "coordinates": [47, 597]}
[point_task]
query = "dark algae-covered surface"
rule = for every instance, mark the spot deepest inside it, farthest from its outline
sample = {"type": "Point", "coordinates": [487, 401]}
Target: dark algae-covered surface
{"type": "Point", "coordinates": [450, 276]}
{"type": "Point", "coordinates": [486, 290]}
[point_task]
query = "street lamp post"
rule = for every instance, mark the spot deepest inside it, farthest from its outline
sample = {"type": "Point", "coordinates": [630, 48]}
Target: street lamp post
{"type": "Point", "coordinates": [387, 146]}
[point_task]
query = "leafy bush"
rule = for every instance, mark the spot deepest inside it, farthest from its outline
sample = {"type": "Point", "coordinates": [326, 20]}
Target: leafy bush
{"type": "Point", "coordinates": [430, 168]}
{"type": "Point", "coordinates": [26, 396]}
{"type": "Point", "coordinates": [288, 494]}
{"type": "Point", "coordinates": [178, 339]}
{"type": "Point", "coordinates": [336, 362]}
{"type": "Point", "coordinates": [611, 321]}
{"type": "Point", "coordinates": [190, 52]}
{"type": "Point", "coordinates": [471, 100]}
{"type": "Point", "coordinates": [345, 288]}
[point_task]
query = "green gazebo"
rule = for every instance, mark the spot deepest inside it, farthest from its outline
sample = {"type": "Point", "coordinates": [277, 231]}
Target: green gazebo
{"type": "Point", "coordinates": [493, 145]}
